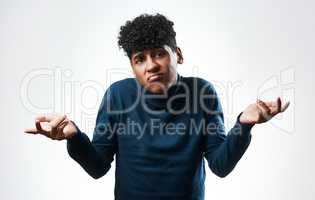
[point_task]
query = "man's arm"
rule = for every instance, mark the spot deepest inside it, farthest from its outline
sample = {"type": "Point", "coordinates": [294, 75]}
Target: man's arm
{"type": "Point", "coordinates": [224, 151]}
{"type": "Point", "coordinates": [94, 156]}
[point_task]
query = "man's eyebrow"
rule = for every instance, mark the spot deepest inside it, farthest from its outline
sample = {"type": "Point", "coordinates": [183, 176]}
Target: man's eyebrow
{"type": "Point", "coordinates": [159, 49]}
{"type": "Point", "coordinates": [163, 50]}
{"type": "Point", "coordinates": [136, 54]}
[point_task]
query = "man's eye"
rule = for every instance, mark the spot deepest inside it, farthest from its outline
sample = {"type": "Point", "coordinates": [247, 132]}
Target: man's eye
{"type": "Point", "coordinates": [159, 54]}
{"type": "Point", "coordinates": [138, 61]}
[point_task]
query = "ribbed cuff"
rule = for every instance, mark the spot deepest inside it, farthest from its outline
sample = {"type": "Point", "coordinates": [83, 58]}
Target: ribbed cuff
{"type": "Point", "coordinates": [245, 128]}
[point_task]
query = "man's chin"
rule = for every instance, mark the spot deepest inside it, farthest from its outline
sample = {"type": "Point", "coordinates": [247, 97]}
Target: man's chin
{"type": "Point", "coordinates": [157, 88]}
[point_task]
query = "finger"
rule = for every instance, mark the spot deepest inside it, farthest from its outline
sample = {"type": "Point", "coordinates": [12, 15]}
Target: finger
{"type": "Point", "coordinates": [56, 121]}
{"type": "Point", "coordinates": [285, 106]}
{"type": "Point", "coordinates": [30, 130]}
{"type": "Point", "coordinates": [39, 129]}
{"type": "Point", "coordinates": [263, 105]}
{"type": "Point", "coordinates": [44, 118]}
{"type": "Point", "coordinates": [35, 131]}
{"type": "Point", "coordinates": [60, 134]}
{"type": "Point", "coordinates": [279, 104]}
{"type": "Point", "coordinates": [265, 111]}
{"type": "Point", "coordinates": [271, 104]}
{"type": "Point", "coordinates": [63, 124]}
{"type": "Point", "coordinates": [38, 126]}
{"type": "Point", "coordinates": [54, 126]}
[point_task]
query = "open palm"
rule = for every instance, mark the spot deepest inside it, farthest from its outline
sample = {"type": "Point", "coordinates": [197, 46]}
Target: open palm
{"type": "Point", "coordinates": [54, 127]}
{"type": "Point", "coordinates": [261, 111]}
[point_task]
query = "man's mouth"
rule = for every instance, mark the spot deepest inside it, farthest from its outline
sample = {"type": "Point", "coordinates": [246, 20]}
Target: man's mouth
{"type": "Point", "coordinates": [155, 77]}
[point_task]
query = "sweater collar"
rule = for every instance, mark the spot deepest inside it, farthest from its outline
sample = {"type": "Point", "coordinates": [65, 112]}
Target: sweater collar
{"type": "Point", "coordinates": [160, 101]}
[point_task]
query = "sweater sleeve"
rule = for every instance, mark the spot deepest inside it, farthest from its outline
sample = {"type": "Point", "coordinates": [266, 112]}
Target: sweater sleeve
{"type": "Point", "coordinates": [96, 156]}
{"type": "Point", "coordinates": [223, 151]}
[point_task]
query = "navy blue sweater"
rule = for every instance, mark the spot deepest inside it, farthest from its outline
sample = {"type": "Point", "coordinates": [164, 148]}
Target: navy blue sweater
{"type": "Point", "coordinates": [160, 141]}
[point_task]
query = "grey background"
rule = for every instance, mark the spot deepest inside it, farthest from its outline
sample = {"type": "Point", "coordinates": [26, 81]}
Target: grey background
{"type": "Point", "coordinates": [264, 49]}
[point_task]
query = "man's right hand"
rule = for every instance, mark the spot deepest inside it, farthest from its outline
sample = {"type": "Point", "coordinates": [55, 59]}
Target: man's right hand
{"type": "Point", "coordinates": [55, 127]}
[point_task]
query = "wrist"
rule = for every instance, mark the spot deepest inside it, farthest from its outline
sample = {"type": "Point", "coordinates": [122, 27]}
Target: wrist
{"type": "Point", "coordinates": [243, 120]}
{"type": "Point", "coordinates": [245, 125]}
{"type": "Point", "coordinates": [75, 132]}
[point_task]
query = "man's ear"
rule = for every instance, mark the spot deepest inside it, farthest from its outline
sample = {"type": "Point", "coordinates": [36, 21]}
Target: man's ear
{"type": "Point", "coordinates": [180, 58]}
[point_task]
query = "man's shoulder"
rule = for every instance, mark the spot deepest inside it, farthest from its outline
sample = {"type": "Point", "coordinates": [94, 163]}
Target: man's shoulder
{"type": "Point", "coordinates": [124, 86]}
{"type": "Point", "coordinates": [127, 82]}
{"type": "Point", "coordinates": [198, 82]}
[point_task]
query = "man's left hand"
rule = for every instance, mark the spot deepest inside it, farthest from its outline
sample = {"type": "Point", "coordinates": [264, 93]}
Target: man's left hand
{"type": "Point", "coordinates": [261, 111]}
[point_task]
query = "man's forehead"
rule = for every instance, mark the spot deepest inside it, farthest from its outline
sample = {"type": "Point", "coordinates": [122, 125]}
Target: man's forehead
{"type": "Point", "coordinates": [165, 47]}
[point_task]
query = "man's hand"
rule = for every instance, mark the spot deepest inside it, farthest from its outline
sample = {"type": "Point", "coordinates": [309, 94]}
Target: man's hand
{"type": "Point", "coordinates": [54, 127]}
{"type": "Point", "coordinates": [261, 112]}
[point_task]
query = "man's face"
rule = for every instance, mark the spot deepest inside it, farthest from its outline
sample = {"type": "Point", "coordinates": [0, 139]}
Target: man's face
{"type": "Point", "coordinates": [155, 69]}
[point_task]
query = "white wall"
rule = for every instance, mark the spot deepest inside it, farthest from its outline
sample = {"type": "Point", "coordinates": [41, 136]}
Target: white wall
{"type": "Point", "coordinates": [56, 56]}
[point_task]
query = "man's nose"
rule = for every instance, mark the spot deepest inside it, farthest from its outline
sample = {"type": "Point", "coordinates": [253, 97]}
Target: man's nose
{"type": "Point", "coordinates": [151, 65]}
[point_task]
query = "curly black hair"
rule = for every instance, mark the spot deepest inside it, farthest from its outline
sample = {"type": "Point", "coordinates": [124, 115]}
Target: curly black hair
{"type": "Point", "coordinates": [146, 32]}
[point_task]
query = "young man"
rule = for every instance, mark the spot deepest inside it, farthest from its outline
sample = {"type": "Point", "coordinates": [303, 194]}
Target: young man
{"type": "Point", "coordinates": [159, 125]}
